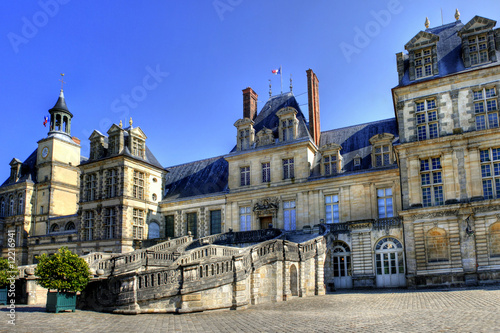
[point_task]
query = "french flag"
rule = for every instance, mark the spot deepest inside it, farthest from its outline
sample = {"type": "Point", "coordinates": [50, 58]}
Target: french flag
{"type": "Point", "coordinates": [276, 71]}
{"type": "Point", "coordinates": [45, 121]}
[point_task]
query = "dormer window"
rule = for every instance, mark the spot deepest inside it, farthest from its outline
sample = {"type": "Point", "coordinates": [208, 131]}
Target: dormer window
{"type": "Point", "coordinates": [137, 147]}
{"type": "Point", "coordinates": [331, 162]}
{"type": "Point", "coordinates": [288, 124]}
{"type": "Point", "coordinates": [246, 134]}
{"type": "Point", "coordinates": [357, 162]}
{"type": "Point", "coordinates": [423, 63]}
{"type": "Point", "coordinates": [478, 49]}
{"type": "Point", "coordinates": [382, 149]}
{"type": "Point", "coordinates": [113, 144]}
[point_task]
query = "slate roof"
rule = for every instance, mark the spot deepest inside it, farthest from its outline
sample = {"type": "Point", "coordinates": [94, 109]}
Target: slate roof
{"type": "Point", "coordinates": [267, 116]}
{"type": "Point", "coordinates": [197, 178]}
{"type": "Point", "coordinates": [355, 140]}
{"type": "Point", "coordinates": [28, 170]}
{"type": "Point", "coordinates": [449, 53]}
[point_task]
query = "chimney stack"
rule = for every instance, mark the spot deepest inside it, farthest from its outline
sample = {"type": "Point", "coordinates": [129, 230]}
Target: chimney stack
{"type": "Point", "coordinates": [249, 103]}
{"type": "Point", "coordinates": [313, 101]}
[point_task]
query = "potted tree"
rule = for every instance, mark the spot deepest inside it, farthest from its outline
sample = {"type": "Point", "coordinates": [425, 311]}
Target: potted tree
{"type": "Point", "coordinates": [8, 271]}
{"type": "Point", "coordinates": [64, 272]}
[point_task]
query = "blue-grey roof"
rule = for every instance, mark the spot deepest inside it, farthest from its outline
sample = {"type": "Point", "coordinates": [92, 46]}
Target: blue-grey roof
{"type": "Point", "coordinates": [203, 177]}
{"type": "Point", "coordinates": [28, 170]}
{"type": "Point", "coordinates": [355, 140]}
{"type": "Point", "coordinates": [449, 53]}
{"type": "Point", "coordinates": [267, 116]}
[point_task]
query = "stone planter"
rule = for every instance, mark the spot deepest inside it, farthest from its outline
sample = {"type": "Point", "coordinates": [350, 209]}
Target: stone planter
{"type": "Point", "coordinates": [3, 295]}
{"type": "Point", "coordinates": [60, 301]}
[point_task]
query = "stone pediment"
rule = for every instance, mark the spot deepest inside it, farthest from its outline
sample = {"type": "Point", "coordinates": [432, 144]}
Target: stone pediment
{"type": "Point", "coordinates": [265, 137]}
{"type": "Point", "coordinates": [285, 111]}
{"type": "Point", "coordinates": [96, 134]}
{"type": "Point", "coordinates": [383, 137]}
{"type": "Point", "coordinates": [15, 161]}
{"type": "Point", "coordinates": [137, 132]}
{"type": "Point", "coordinates": [421, 39]}
{"type": "Point", "coordinates": [114, 128]}
{"type": "Point", "coordinates": [330, 147]}
{"type": "Point", "coordinates": [267, 206]}
{"type": "Point", "coordinates": [477, 24]}
{"type": "Point", "coordinates": [243, 122]}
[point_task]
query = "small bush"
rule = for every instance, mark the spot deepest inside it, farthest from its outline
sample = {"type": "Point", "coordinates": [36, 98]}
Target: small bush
{"type": "Point", "coordinates": [7, 271]}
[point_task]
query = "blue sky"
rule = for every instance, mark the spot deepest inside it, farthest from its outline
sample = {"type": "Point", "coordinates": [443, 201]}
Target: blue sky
{"type": "Point", "coordinates": [178, 67]}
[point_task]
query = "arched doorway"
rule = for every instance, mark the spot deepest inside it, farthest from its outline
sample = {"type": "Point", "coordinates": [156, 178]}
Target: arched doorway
{"type": "Point", "coordinates": [154, 230]}
{"type": "Point", "coordinates": [294, 281]}
{"type": "Point", "coordinates": [389, 260]}
{"type": "Point", "coordinates": [340, 266]}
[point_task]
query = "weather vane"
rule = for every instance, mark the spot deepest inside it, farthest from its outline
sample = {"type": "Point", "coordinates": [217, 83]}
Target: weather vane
{"type": "Point", "coordinates": [62, 81]}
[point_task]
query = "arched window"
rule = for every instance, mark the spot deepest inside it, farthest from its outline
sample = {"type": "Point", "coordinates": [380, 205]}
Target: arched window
{"type": "Point", "coordinates": [70, 226]}
{"type": "Point", "coordinates": [11, 205]}
{"type": "Point", "coordinates": [54, 227]}
{"type": "Point", "coordinates": [2, 207]}
{"type": "Point", "coordinates": [20, 204]}
{"type": "Point", "coordinates": [495, 240]}
{"type": "Point", "coordinates": [437, 244]}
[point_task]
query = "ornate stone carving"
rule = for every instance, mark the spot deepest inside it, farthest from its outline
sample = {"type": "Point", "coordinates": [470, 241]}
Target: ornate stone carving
{"type": "Point", "coordinates": [266, 206]}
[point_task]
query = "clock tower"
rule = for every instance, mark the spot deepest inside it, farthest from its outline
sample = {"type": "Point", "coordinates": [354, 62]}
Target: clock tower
{"type": "Point", "coordinates": [58, 157]}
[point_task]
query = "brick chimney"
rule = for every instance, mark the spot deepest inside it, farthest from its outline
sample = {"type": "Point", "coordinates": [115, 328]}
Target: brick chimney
{"type": "Point", "coordinates": [249, 103]}
{"type": "Point", "coordinates": [313, 101]}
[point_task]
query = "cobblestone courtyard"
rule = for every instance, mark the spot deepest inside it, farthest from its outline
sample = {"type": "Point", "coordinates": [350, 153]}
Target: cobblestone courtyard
{"type": "Point", "coordinates": [444, 310]}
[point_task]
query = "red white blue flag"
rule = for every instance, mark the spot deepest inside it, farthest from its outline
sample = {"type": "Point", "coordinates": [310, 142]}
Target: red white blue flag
{"type": "Point", "coordinates": [276, 71]}
{"type": "Point", "coordinates": [45, 121]}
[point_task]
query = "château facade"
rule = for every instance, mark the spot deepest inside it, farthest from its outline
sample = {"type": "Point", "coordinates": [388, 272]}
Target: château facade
{"type": "Point", "coordinates": [408, 201]}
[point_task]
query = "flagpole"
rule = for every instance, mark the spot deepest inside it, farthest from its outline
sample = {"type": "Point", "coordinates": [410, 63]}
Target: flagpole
{"type": "Point", "coordinates": [281, 76]}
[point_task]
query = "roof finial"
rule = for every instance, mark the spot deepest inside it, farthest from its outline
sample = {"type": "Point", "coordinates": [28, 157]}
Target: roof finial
{"type": "Point", "coordinates": [291, 85]}
{"type": "Point", "coordinates": [270, 91]}
{"type": "Point", "coordinates": [457, 14]}
{"type": "Point", "coordinates": [121, 124]}
{"type": "Point", "coordinates": [62, 81]}
{"type": "Point", "coordinates": [130, 122]}
{"type": "Point", "coordinates": [427, 23]}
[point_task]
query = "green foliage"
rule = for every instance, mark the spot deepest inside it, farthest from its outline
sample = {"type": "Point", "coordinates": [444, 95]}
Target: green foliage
{"type": "Point", "coordinates": [7, 271]}
{"type": "Point", "coordinates": [64, 271]}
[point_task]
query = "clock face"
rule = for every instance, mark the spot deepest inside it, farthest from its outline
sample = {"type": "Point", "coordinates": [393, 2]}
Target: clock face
{"type": "Point", "coordinates": [45, 152]}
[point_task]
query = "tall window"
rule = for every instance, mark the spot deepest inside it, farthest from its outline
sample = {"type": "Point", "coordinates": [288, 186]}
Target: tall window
{"type": "Point", "coordinates": [437, 245]}
{"type": "Point", "coordinates": [20, 204]}
{"type": "Point", "coordinates": [287, 129]}
{"type": "Point", "coordinates": [332, 208]}
{"type": "Point", "coordinates": [88, 229]}
{"type": "Point", "coordinates": [138, 147]}
{"type": "Point", "coordinates": [330, 164]}
{"type": "Point", "coordinates": [431, 182]}
{"type": "Point", "coordinates": [245, 218]}
{"type": "Point", "coordinates": [486, 108]}
{"type": "Point", "coordinates": [111, 183]}
{"type": "Point", "coordinates": [2, 207]}
{"type": "Point", "coordinates": [192, 224]}
{"type": "Point", "coordinates": [490, 172]}
{"type": "Point", "coordinates": [382, 155]}
{"type": "Point", "coordinates": [169, 226]}
{"type": "Point", "coordinates": [427, 119]}
{"type": "Point", "coordinates": [244, 138]}
{"type": "Point", "coordinates": [266, 172]}
{"type": "Point", "coordinates": [215, 222]}
{"type": "Point", "coordinates": [138, 189]}
{"type": "Point", "coordinates": [113, 142]}
{"type": "Point", "coordinates": [288, 170]}
{"type": "Point", "coordinates": [110, 223]}
{"type": "Point", "coordinates": [478, 50]}
{"type": "Point", "coordinates": [11, 206]}
{"type": "Point", "coordinates": [289, 215]}
{"type": "Point", "coordinates": [423, 63]}
{"type": "Point", "coordinates": [138, 224]}
{"type": "Point", "coordinates": [91, 187]}
{"type": "Point", "coordinates": [495, 240]}
{"type": "Point", "coordinates": [245, 176]}
{"type": "Point", "coordinates": [384, 199]}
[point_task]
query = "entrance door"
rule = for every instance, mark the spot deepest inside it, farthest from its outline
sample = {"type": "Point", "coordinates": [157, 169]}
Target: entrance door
{"type": "Point", "coordinates": [389, 259]}
{"type": "Point", "coordinates": [265, 222]}
{"type": "Point", "coordinates": [342, 269]}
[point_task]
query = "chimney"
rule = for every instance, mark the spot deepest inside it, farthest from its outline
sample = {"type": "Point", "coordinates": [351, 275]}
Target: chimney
{"type": "Point", "coordinates": [249, 103]}
{"type": "Point", "coordinates": [313, 101]}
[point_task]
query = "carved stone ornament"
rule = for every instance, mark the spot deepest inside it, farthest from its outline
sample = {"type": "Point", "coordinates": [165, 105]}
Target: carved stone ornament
{"type": "Point", "coordinates": [267, 206]}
